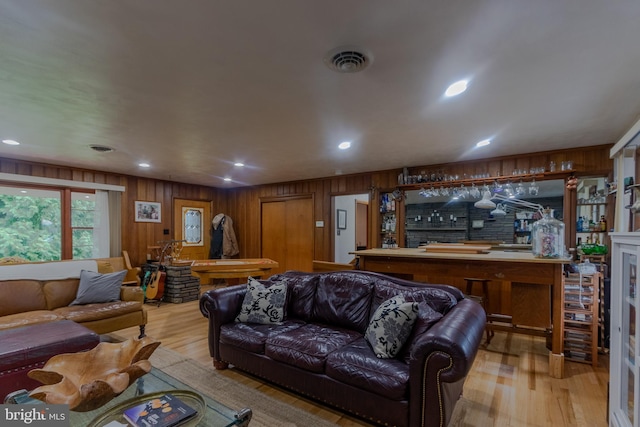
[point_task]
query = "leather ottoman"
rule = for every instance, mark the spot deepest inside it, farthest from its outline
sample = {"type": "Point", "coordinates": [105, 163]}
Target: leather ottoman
{"type": "Point", "coordinates": [29, 347]}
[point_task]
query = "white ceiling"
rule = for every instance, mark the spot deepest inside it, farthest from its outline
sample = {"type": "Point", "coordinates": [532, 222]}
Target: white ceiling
{"type": "Point", "coordinates": [193, 86]}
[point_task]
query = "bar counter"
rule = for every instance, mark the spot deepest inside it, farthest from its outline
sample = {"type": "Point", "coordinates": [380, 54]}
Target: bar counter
{"type": "Point", "coordinates": [525, 290]}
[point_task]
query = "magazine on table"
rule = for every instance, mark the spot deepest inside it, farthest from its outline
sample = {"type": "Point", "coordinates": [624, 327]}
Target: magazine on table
{"type": "Point", "coordinates": [164, 411]}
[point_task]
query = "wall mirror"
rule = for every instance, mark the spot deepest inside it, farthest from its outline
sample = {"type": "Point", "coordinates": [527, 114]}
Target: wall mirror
{"type": "Point", "coordinates": [451, 217]}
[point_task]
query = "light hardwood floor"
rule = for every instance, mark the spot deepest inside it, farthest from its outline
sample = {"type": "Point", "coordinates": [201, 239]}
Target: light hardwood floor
{"type": "Point", "coordinates": [507, 386]}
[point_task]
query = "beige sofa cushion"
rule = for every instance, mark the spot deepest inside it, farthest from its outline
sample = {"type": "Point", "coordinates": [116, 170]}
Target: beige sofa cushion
{"type": "Point", "coordinates": [29, 318]}
{"type": "Point", "coordinates": [18, 296]}
{"type": "Point", "coordinates": [89, 312]}
{"type": "Point", "coordinates": [60, 293]}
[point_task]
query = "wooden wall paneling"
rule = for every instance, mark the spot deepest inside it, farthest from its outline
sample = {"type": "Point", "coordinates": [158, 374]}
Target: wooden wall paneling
{"type": "Point", "coordinates": [507, 167]}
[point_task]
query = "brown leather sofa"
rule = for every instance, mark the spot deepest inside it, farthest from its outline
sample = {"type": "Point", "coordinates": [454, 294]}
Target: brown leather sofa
{"type": "Point", "coordinates": [335, 364]}
{"type": "Point", "coordinates": [26, 302]}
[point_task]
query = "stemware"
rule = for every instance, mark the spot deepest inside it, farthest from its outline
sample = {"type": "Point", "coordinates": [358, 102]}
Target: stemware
{"type": "Point", "coordinates": [474, 191]}
{"type": "Point", "coordinates": [534, 188]}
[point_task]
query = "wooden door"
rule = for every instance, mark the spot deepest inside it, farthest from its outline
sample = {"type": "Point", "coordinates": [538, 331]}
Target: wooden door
{"type": "Point", "coordinates": [192, 222]}
{"type": "Point", "coordinates": [362, 224]}
{"type": "Point", "coordinates": [287, 233]}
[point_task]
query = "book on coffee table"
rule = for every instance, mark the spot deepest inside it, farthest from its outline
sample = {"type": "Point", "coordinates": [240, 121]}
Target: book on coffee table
{"type": "Point", "coordinates": [163, 411]}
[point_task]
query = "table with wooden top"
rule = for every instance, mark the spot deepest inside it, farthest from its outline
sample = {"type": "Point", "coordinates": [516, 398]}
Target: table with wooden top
{"type": "Point", "coordinates": [534, 285]}
{"type": "Point", "coordinates": [208, 269]}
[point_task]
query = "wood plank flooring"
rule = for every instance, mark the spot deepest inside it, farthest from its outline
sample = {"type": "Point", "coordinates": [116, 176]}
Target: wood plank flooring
{"type": "Point", "coordinates": [507, 386]}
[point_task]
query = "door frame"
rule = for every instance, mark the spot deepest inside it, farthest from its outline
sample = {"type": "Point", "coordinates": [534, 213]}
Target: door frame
{"type": "Point", "coordinates": [333, 220]}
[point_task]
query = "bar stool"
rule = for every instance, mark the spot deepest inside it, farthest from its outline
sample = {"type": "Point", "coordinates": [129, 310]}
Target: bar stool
{"type": "Point", "coordinates": [483, 300]}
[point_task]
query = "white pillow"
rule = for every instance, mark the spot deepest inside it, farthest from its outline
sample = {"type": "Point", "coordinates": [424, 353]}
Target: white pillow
{"type": "Point", "coordinates": [263, 305]}
{"type": "Point", "coordinates": [99, 288]}
{"type": "Point", "coordinates": [390, 326]}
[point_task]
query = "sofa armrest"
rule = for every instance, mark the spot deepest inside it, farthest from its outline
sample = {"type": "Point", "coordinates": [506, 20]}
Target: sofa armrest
{"type": "Point", "coordinates": [131, 293]}
{"type": "Point", "coordinates": [440, 361]}
{"type": "Point", "coordinates": [220, 306]}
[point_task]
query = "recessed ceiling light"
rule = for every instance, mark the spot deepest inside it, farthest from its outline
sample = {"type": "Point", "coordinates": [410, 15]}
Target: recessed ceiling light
{"type": "Point", "coordinates": [483, 143]}
{"type": "Point", "coordinates": [10, 142]}
{"type": "Point", "coordinates": [238, 164]}
{"type": "Point", "coordinates": [227, 179]}
{"type": "Point", "coordinates": [344, 145]}
{"type": "Point", "coordinates": [144, 165]}
{"type": "Point", "coordinates": [456, 88]}
{"type": "Point", "coordinates": [23, 191]}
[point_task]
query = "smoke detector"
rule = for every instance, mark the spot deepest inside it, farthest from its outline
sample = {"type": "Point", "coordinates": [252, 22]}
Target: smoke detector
{"type": "Point", "coordinates": [101, 148]}
{"type": "Point", "coordinates": [347, 60]}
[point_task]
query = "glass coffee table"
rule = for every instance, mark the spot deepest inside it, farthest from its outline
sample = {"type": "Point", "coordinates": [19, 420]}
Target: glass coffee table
{"type": "Point", "coordinates": [148, 386]}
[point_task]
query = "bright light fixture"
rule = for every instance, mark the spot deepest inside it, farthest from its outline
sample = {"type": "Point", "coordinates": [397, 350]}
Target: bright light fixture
{"type": "Point", "coordinates": [144, 165]}
{"type": "Point", "coordinates": [483, 143]}
{"type": "Point", "coordinates": [23, 191]}
{"type": "Point", "coordinates": [456, 88]}
{"type": "Point", "coordinates": [227, 179]}
{"type": "Point", "coordinates": [499, 211]}
{"type": "Point", "coordinates": [344, 145]}
{"type": "Point", "coordinates": [485, 202]}
{"type": "Point", "coordinates": [10, 142]}
{"type": "Point", "coordinates": [238, 164]}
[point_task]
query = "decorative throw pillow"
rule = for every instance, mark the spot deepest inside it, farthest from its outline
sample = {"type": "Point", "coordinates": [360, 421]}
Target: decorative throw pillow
{"type": "Point", "coordinates": [98, 288]}
{"type": "Point", "coordinates": [263, 305]}
{"type": "Point", "coordinates": [390, 326]}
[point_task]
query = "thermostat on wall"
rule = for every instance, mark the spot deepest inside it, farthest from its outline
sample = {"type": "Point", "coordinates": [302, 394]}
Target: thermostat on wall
{"type": "Point", "coordinates": [477, 223]}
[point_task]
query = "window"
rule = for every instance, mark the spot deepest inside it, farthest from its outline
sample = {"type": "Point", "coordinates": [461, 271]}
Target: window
{"type": "Point", "coordinates": [32, 225]}
{"type": "Point", "coordinates": [83, 206]}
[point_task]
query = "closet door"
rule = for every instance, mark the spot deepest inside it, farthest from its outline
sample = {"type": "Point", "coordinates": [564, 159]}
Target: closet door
{"type": "Point", "coordinates": [287, 232]}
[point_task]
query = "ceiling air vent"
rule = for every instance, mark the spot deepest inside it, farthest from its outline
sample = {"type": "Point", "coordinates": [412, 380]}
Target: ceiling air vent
{"type": "Point", "coordinates": [347, 60]}
{"type": "Point", "coordinates": [101, 148]}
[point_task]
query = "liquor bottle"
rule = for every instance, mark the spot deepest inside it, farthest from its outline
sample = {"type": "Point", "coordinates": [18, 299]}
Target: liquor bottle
{"type": "Point", "coordinates": [603, 223]}
{"type": "Point", "coordinates": [580, 224]}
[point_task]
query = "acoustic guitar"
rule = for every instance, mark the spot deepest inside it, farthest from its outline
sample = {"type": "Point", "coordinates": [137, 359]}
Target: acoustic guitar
{"type": "Point", "coordinates": [155, 288]}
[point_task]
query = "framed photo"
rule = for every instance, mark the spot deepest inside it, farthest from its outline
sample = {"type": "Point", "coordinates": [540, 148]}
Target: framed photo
{"type": "Point", "coordinates": [148, 211]}
{"type": "Point", "coordinates": [342, 219]}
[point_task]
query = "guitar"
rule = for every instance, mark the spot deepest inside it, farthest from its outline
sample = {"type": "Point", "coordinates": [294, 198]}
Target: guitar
{"type": "Point", "coordinates": [155, 288]}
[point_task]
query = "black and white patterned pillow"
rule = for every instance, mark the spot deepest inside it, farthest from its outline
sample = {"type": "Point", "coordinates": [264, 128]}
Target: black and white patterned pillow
{"type": "Point", "coordinates": [390, 326]}
{"type": "Point", "coordinates": [263, 305]}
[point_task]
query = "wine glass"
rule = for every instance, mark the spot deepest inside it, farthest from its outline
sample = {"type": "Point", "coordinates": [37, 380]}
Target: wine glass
{"type": "Point", "coordinates": [534, 188]}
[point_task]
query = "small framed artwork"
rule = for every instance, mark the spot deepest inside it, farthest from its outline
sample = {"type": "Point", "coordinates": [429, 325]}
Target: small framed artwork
{"type": "Point", "coordinates": [148, 211]}
{"type": "Point", "coordinates": [342, 219]}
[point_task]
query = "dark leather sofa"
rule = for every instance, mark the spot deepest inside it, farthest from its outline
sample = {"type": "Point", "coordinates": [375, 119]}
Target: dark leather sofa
{"type": "Point", "coordinates": [320, 351]}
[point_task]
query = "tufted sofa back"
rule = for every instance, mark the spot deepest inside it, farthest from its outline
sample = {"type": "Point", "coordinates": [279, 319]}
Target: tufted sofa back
{"type": "Point", "coordinates": [349, 298]}
{"type": "Point", "coordinates": [19, 296]}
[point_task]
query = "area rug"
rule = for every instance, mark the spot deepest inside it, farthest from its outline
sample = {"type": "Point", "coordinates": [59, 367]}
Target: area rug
{"type": "Point", "coordinates": [267, 411]}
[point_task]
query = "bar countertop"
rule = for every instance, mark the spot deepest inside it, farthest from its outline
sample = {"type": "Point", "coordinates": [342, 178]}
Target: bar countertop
{"type": "Point", "coordinates": [492, 255]}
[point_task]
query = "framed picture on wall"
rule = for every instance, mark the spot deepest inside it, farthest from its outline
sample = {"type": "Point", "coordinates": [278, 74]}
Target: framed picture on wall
{"type": "Point", "coordinates": [342, 219]}
{"type": "Point", "coordinates": [148, 211]}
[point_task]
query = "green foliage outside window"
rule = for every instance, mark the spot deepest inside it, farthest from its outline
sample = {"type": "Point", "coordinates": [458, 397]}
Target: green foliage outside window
{"type": "Point", "coordinates": [30, 227]}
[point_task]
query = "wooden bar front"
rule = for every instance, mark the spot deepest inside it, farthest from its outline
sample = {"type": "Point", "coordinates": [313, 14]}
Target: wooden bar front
{"type": "Point", "coordinates": [534, 285]}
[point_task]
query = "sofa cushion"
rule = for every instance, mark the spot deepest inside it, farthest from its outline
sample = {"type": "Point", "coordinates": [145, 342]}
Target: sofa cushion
{"type": "Point", "coordinates": [308, 346]}
{"type": "Point", "coordinates": [91, 312]}
{"type": "Point", "coordinates": [390, 326]}
{"type": "Point", "coordinates": [301, 291]}
{"type": "Point", "coordinates": [60, 293]}
{"type": "Point", "coordinates": [252, 336]}
{"type": "Point", "coordinates": [19, 296]}
{"type": "Point", "coordinates": [343, 299]}
{"type": "Point", "coordinates": [98, 288]}
{"type": "Point", "coordinates": [263, 305]}
{"type": "Point", "coordinates": [438, 298]}
{"type": "Point", "coordinates": [427, 317]}
{"type": "Point", "coordinates": [356, 365]}
{"type": "Point", "coordinates": [29, 318]}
